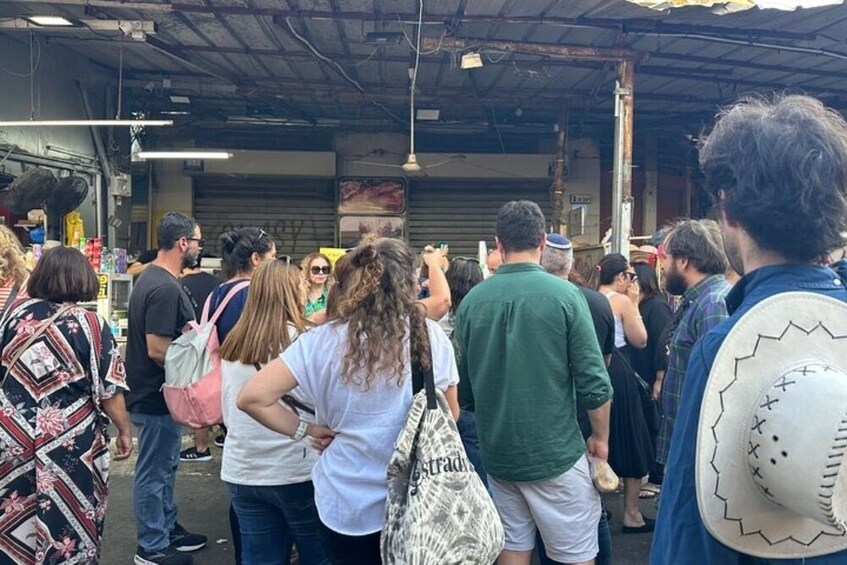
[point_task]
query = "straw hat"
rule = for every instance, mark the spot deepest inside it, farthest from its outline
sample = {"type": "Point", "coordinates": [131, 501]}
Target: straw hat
{"type": "Point", "coordinates": [771, 470]}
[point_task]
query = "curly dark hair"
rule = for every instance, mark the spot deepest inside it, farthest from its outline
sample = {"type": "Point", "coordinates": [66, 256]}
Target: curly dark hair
{"type": "Point", "coordinates": [378, 303]}
{"type": "Point", "coordinates": [779, 169]}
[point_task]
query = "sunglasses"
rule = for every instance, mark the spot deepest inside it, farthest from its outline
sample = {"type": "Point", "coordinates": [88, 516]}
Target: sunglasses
{"type": "Point", "coordinates": [632, 276]}
{"type": "Point", "coordinates": [321, 270]}
{"type": "Point", "coordinates": [200, 241]}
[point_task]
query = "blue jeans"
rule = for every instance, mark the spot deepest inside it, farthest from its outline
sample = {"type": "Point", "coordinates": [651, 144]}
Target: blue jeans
{"type": "Point", "coordinates": [604, 539]}
{"type": "Point", "coordinates": [153, 502]}
{"type": "Point", "coordinates": [271, 518]}
{"type": "Point", "coordinates": [467, 431]}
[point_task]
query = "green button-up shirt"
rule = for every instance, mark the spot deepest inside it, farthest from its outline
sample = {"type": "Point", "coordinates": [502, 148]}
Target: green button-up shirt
{"type": "Point", "coordinates": [527, 352]}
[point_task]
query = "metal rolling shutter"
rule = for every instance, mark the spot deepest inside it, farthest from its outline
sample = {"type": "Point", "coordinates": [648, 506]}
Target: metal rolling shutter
{"type": "Point", "coordinates": [463, 212]}
{"type": "Point", "coordinates": [298, 213]}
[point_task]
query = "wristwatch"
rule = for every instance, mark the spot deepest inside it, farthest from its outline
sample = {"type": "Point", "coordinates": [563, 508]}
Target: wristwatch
{"type": "Point", "coordinates": [301, 431]}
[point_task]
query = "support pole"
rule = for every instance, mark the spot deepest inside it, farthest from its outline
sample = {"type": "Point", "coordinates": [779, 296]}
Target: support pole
{"type": "Point", "coordinates": [557, 190]}
{"type": "Point", "coordinates": [622, 174]}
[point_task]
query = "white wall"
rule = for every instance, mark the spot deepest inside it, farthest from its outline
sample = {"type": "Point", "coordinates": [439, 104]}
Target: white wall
{"type": "Point", "coordinates": [57, 96]}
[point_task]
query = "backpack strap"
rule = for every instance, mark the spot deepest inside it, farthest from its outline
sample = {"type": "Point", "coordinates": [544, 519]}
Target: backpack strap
{"type": "Point", "coordinates": [204, 318]}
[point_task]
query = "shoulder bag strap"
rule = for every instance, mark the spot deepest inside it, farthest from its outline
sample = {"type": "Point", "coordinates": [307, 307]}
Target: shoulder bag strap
{"type": "Point", "coordinates": [423, 378]}
{"type": "Point", "coordinates": [292, 402]}
{"type": "Point", "coordinates": [37, 333]}
{"type": "Point", "coordinates": [222, 306]}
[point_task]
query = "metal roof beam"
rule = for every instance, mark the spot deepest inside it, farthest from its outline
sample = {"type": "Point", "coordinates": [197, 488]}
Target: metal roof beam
{"type": "Point", "coordinates": [575, 52]}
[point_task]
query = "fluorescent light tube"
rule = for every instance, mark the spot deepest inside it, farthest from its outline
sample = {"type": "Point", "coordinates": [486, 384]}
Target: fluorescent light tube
{"type": "Point", "coordinates": [428, 114]}
{"type": "Point", "coordinates": [183, 155]}
{"type": "Point", "coordinates": [180, 99]}
{"type": "Point", "coordinates": [93, 123]}
{"type": "Point", "coordinates": [50, 21]}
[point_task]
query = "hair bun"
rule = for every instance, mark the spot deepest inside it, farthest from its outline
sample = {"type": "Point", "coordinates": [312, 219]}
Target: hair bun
{"type": "Point", "coordinates": [229, 240]}
{"type": "Point", "coordinates": [364, 256]}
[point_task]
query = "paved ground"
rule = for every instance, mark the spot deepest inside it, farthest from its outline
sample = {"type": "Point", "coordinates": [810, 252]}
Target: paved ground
{"type": "Point", "coordinates": [203, 507]}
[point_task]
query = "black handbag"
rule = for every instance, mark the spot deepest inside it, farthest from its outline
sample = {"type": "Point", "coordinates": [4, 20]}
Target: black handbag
{"type": "Point", "coordinates": [645, 395]}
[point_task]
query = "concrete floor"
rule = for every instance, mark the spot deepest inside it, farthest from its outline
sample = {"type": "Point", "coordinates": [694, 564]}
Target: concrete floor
{"type": "Point", "coordinates": [203, 508]}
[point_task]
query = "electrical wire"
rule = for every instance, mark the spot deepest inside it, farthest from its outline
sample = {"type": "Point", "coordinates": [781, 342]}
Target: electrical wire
{"type": "Point", "coordinates": [417, 49]}
{"type": "Point", "coordinates": [338, 68]}
{"type": "Point", "coordinates": [369, 57]}
{"type": "Point", "coordinates": [415, 81]}
{"type": "Point", "coordinates": [491, 60]}
{"type": "Point", "coordinates": [32, 68]}
{"type": "Point", "coordinates": [120, 78]}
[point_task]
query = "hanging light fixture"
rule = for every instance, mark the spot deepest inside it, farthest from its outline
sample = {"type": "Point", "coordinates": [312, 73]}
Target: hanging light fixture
{"type": "Point", "coordinates": [189, 154]}
{"type": "Point", "coordinates": [117, 121]}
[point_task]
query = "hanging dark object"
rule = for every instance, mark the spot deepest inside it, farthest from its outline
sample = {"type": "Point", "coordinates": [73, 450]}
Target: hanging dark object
{"type": "Point", "coordinates": [5, 180]}
{"type": "Point", "coordinates": [66, 195]}
{"type": "Point", "coordinates": [30, 190]}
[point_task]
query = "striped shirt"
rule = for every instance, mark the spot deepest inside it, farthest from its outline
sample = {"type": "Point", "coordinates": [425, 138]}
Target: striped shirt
{"type": "Point", "coordinates": [6, 291]}
{"type": "Point", "coordinates": [703, 307]}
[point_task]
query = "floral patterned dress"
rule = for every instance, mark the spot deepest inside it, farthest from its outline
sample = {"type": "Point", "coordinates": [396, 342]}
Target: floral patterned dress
{"type": "Point", "coordinates": [54, 448]}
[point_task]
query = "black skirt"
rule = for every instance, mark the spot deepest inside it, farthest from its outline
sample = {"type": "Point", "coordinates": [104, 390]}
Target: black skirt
{"type": "Point", "coordinates": [630, 439]}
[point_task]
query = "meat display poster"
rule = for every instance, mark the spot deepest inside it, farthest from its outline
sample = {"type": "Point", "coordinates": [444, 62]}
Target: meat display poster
{"type": "Point", "coordinates": [367, 196]}
{"type": "Point", "coordinates": [353, 228]}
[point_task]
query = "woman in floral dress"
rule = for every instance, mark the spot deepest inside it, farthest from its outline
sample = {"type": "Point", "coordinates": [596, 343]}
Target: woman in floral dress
{"type": "Point", "coordinates": [62, 380]}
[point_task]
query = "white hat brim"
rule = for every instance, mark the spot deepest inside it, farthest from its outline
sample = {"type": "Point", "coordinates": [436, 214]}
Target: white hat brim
{"type": "Point", "coordinates": [774, 337]}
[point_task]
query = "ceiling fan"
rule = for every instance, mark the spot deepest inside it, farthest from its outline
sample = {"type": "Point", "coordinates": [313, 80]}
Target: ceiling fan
{"type": "Point", "coordinates": [411, 165]}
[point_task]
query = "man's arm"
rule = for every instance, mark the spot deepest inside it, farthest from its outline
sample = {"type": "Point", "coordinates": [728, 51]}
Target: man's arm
{"type": "Point", "coordinates": [598, 442]}
{"type": "Point", "coordinates": [157, 347]}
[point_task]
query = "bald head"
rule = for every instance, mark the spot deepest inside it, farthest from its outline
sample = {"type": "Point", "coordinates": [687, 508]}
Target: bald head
{"type": "Point", "coordinates": [493, 261]}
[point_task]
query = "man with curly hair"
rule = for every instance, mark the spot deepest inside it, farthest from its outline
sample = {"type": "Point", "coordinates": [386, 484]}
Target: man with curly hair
{"type": "Point", "coordinates": [777, 172]}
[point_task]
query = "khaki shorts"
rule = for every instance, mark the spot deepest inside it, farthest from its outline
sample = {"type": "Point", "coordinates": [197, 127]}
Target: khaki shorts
{"type": "Point", "coordinates": [565, 509]}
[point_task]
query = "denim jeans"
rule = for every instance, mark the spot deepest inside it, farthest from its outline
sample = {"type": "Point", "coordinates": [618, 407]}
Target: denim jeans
{"type": "Point", "coordinates": [153, 502]}
{"type": "Point", "coordinates": [271, 518]}
{"type": "Point", "coordinates": [467, 431]}
{"type": "Point", "coordinates": [350, 550]}
{"type": "Point", "coordinates": [604, 539]}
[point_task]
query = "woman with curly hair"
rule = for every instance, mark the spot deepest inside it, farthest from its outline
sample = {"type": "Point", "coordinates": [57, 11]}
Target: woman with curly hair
{"type": "Point", "coordinates": [357, 370]}
{"type": "Point", "coordinates": [13, 273]}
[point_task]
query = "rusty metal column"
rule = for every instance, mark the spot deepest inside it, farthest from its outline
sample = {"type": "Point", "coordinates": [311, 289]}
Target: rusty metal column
{"type": "Point", "coordinates": [557, 190]}
{"type": "Point", "coordinates": [622, 172]}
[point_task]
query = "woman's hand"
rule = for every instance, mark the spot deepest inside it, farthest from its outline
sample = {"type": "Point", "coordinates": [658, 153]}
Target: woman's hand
{"type": "Point", "coordinates": [123, 445]}
{"type": "Point", "coordinates": [321, 436]}
{"type": "Point", "coordinates": [633, 291]}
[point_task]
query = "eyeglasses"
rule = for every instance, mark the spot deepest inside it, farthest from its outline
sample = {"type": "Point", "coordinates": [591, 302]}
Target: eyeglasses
{"type": "Point", "coordinates": [200, 241]}
{"type": "Point", "coordinates": [632, 276]}
{"type": "Point", "coordinates": [325, 270]}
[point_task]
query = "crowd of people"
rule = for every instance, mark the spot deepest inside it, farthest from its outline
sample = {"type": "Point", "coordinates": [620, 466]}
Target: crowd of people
{"type": "Point", "coordinates": [546, 373]}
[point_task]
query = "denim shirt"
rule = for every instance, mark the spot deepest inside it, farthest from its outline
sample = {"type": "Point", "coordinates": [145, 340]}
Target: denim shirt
{"type": "Point", "coordinates": [681, 536]}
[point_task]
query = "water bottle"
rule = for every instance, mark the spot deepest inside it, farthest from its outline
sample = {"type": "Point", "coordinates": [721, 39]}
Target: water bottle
{"type": "Point", "coordinates": [115, 324]}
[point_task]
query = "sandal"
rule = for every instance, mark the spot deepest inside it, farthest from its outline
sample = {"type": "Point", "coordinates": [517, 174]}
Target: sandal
{"type": "Point", "coordinates": [649, 526]}
{"type": "Point", "coordinates": [649, 491]}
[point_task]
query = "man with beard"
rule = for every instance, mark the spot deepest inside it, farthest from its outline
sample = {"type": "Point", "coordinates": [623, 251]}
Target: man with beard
{"type": "Point", "coordinates": [158, 311]}
{"type": "Point", "coordinates": [776, 171]}
{"type": "Point", "coordinates": [694, 265]}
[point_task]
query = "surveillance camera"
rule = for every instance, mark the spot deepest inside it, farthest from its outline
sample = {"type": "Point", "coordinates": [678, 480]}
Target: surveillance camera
{"type": "Point", "coordinates": [149, 87]}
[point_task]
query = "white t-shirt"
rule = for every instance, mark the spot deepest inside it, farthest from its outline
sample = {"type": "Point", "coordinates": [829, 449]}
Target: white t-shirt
{"type": "Point", "coordinates": [350, 477]}
{"type": "Point", "coordinates": [255, 455]}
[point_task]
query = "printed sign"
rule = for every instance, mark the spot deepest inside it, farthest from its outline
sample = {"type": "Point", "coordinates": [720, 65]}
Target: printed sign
{"type": "Point", "coordinates": [580, 199]}
{"type": "Point", "coordinates": [103, 287]}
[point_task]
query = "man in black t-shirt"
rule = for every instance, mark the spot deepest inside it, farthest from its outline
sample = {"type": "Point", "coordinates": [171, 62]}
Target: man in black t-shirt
{"type": "Point", "coordinates": [158, 311]}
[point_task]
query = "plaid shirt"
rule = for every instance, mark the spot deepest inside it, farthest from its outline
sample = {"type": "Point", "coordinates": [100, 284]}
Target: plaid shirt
{"type": "Point", "coordinates": [703, 307]}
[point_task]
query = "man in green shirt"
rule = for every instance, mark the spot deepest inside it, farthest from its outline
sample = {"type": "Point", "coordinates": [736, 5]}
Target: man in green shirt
{"type": "Point", "coordinates": [527, 354]}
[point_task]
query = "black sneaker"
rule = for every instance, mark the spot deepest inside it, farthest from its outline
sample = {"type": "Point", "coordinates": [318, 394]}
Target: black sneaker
{"type": "Point", "coordinates": [219, 440]}
{"type": "Point", "coordinates": [191, 454]}
{"type": "Point", "coordinates": [185, 541]}
{"type": "Point", "coordinates": [167, 556]}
